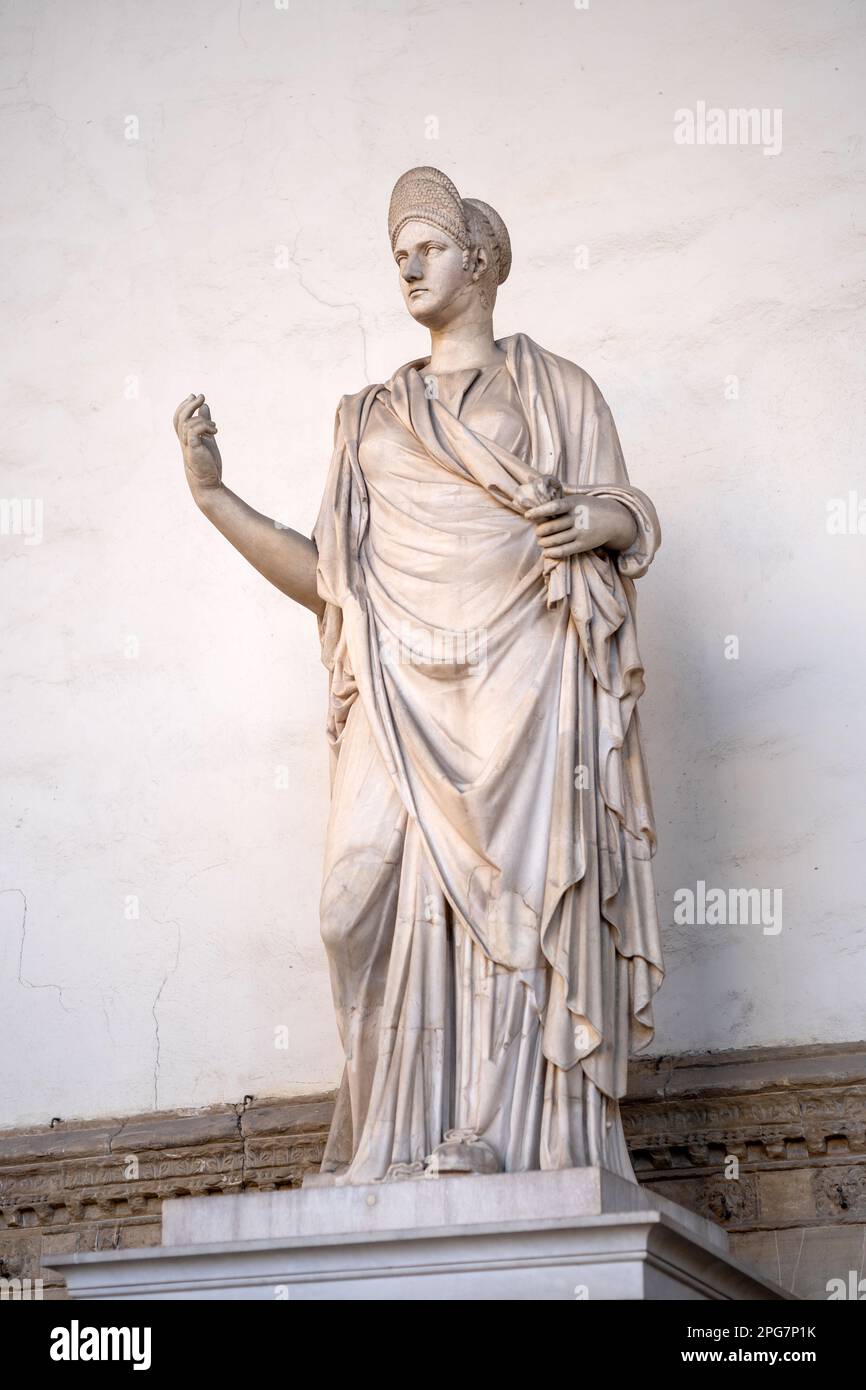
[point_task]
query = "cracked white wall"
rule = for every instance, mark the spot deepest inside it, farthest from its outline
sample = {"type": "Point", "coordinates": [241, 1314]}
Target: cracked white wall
{"type": "Point", "coordinates": [196, 199]}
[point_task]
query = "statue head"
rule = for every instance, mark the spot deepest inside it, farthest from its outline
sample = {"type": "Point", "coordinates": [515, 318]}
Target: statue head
{"type": "Point", "coordinates": [453, 253]}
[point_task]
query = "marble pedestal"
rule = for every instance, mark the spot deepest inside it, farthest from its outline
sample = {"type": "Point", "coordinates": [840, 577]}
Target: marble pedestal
{"type": "Point", "coordinates": [575, 1234]}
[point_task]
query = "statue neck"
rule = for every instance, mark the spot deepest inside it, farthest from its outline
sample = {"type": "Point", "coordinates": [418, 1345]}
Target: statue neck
{"type": "Point", "coordinates": [459, 347]}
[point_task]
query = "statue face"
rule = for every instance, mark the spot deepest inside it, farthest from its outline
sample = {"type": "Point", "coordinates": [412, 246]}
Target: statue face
{"type": "Point", "coordinates": [434, 283]}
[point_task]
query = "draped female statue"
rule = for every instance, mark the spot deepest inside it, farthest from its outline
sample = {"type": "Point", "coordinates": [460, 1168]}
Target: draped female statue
{"type": "Point", "coordinates": [487, 905]}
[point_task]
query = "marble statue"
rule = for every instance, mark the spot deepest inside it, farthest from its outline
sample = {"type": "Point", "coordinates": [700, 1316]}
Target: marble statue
{"type": "Point", "coordinates": [487, 906]}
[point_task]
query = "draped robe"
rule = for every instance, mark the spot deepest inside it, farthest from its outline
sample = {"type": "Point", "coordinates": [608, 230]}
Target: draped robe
{"type": "Point", "coordinates": [488, 904]}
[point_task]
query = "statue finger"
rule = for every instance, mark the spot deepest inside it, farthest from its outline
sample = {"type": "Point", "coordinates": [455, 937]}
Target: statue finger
{"type": "Point", "coordinates": [187, 408]}
{"type": "Point", "coordinates": [545, 509]}
{"type": "Point", "coordinates": [556, 524]}
{"type": "Point", "coordinates": [175, 419]}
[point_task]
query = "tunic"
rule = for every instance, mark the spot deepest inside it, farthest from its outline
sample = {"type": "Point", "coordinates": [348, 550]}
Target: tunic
{"type": "Point", "coordinates": [487, 902]}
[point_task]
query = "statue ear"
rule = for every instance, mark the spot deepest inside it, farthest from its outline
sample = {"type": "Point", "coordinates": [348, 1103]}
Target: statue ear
{"type": "Point", "coordinates": [482, 262]}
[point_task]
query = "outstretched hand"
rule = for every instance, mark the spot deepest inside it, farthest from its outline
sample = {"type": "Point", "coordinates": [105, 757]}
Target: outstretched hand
{"type": "Point", "coordinates": [195, 429]}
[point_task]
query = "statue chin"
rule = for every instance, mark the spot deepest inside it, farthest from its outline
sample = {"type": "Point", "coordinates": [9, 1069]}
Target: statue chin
{"type": "Point", "coordinates": [432, 311]}
{"type": "Point", "coordinates": [425, 311]}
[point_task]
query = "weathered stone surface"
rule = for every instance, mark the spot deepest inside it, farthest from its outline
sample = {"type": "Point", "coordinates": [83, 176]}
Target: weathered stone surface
{"type": "Point", "coordinates": [686, 1115]}
{"type": "Point", "coordinates": [788, 1116]}
{"type": "Point", "coordinates": [804, 1261]}
{"type": "Point", "coordinates": [183, 1131]}
{"type": "Point", "coordinates": [799, 1144]}
{"type": "Point", "coordinates": [303, 1118]}
{"type": "Point", "coordinates": [785, 1196]}
{"type": "Point", "coordinates": [101, 1186]}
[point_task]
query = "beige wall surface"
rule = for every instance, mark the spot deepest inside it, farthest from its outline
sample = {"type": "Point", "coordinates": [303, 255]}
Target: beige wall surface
{"type": "Point", "coordinates": [195, 199]}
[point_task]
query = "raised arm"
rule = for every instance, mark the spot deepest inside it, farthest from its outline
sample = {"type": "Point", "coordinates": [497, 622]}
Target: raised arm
{"type": "Point", "coordinates": [283, 556]}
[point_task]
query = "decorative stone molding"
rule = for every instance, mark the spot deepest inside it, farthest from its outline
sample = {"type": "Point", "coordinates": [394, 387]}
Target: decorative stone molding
{"type": "Point", "coordinates": [101, 1184]}
{"type": "Point", "coordinates": [794, 1110]}
{"type": "Point", "coordinates": [795, 1119]}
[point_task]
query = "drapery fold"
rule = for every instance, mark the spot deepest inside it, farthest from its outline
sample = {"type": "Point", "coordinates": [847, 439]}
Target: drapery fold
{"type": "Point", "coordinates": [520, 777]}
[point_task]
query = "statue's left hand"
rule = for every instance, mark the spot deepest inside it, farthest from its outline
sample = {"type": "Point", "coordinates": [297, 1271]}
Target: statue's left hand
{"type": "Point", "coordinates": [570, 525]}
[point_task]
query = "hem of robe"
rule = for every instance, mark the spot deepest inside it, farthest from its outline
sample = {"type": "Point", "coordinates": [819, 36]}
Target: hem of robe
{"type": "Point", "coordinates": [479, 1069]}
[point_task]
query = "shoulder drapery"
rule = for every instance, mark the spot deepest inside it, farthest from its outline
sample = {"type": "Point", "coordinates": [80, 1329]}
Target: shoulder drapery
{"type": "Point", "coordinates": [569, 766]}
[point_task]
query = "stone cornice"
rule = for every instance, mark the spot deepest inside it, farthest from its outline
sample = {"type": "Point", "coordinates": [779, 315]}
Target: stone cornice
{"type": "Point", "coordinates": [793, 1118]}
{"type": "Point", "coordinates": [769, 1107]}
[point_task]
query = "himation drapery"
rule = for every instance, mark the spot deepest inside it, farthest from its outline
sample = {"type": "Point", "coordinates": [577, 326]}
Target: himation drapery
{"type": "Point", "coordinates": [488, 903]}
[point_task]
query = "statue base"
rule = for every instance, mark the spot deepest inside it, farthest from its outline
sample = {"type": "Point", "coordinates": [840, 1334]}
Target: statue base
{"type": "Point", "coordinates": [572, 1234]}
